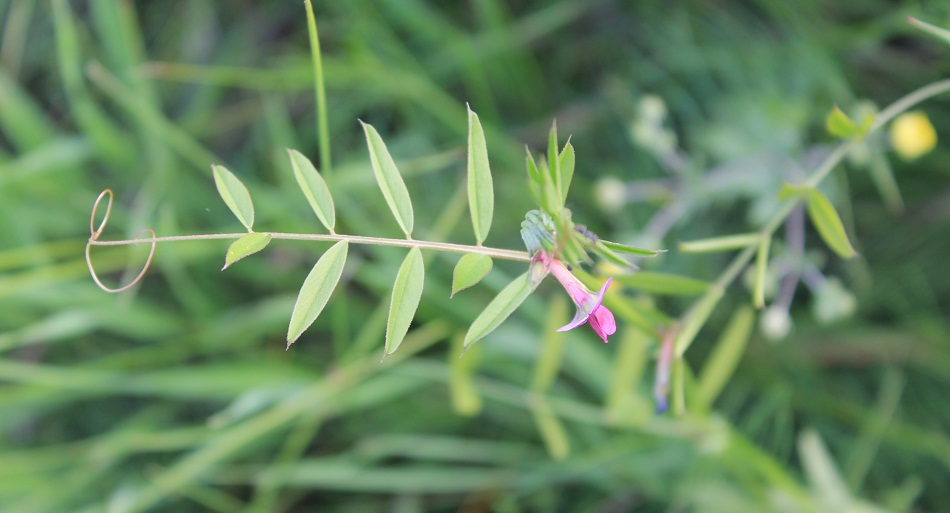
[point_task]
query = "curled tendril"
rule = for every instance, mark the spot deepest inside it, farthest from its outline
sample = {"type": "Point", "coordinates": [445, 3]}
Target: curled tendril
{"type": "Point", "coordinates": [94, 234]}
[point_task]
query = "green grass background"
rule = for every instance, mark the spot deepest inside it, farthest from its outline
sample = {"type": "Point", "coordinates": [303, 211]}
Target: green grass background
{"type": "Point", "coordinates": [179, 395]}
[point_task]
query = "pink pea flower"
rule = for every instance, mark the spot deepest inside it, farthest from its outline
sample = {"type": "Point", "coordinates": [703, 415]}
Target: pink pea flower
{"type": "Point", "coordinates": [589, 307]}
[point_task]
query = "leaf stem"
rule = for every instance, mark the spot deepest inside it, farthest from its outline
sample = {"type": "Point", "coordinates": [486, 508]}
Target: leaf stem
{"type": "Point", "coordinates": [504, 254]}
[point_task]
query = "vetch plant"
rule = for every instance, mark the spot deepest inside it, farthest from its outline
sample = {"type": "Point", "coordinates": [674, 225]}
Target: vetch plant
{"type": "Point", "coordinates": [552, 240]}
{"type": "Point", "coordinates": [556, 245]}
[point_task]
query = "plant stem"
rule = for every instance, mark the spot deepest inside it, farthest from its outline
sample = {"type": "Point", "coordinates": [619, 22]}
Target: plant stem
{"type": "Point", "coordinates": [504, 254]}
{"type": "Point", "coordinates": [831, 161]}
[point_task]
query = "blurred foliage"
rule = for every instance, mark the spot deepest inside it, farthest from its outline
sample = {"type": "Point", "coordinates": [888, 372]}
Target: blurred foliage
{"type": "Point", "coordinates": [686, 117]}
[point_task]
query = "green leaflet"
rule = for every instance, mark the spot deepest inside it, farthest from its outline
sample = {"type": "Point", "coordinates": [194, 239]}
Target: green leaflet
{"type": "Point", "coordinates": [314, 188]}
{"type": "Point", "coordinates": [839, 124]}
{"type": "Point", "coordinates": [500, 308]}
{"type": "Point", "coordinates": [316, 290]}
{"type": "Point", "coordinates": [469, 270]}
{"type": "Point", "coordinates": [245, 246]}
{"type": "Point", "coordinates": [825, 218]}
{"type": "Point", "coordinates": [234, 194]}
{"type": "Point", "coordinates": [481, 197]}
{"type": "Point", "coordinates": [790, 192]}
{"type": "Point", "coordinates": [407, 291]}
{"type": "Point", "coordinates": [390, 182]}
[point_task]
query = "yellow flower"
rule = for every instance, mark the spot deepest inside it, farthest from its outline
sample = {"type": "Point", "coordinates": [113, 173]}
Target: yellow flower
{"type": "Point", "coordinates": [912, 135]}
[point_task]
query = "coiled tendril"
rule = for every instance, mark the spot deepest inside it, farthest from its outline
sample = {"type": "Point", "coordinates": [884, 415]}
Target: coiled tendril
{"type": "Point", "coordinates": [94, 234]}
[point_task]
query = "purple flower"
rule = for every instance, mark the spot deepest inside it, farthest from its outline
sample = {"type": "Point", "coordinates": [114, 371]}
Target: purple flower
{"type": "Point", "coordinates": [589, 307]}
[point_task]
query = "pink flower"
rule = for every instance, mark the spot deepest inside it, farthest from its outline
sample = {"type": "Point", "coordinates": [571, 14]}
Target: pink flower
{"type": "Point", "coordinates": [589, 307]}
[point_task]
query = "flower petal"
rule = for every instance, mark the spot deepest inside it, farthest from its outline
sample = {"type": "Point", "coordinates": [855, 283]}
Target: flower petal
{"type": "Point", "coordinates": [579, 318]}
{"type": "Point", "coordinates": [603, 323]}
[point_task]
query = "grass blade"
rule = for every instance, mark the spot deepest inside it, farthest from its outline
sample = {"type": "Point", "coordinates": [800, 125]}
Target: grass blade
{"type": "Point", "coordinates": [663, 284]}
{"type": "Point", "coordinates": [323, 125]}
{"type": "Point", "coordinates": [725, 356]}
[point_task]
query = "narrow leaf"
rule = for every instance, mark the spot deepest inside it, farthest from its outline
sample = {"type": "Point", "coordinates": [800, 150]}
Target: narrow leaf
{"type": "Point", "coordinates": [245, 246]}
{"type": "Point", "coordinates": [388, 178]}
{"type": "Point", "coordinates": [509, 299]}
{"type": "Point", "coordinates": [609, 255]}
{"type": "Point", "coordinates": [717, 244]}
{"type": "Point", "coordinates": [623, 248]}
{"type": "Point", "coordinates": [839, 124]}
{"type": "Point", "coordinates": [566, 169]}
{"type": "Point", "coordinates": [314, 188]}
{"type": "Point", "coordinates": [663, 284]}
{"type": "Point", "coordinates": [725, 356]}
{"type": "Point", "coordinates": [470, 270]}
{"type": "Point", "coordinates": [535, 181]}
{"type": "Point", "coordinates": [407, 291]}
{"type": "Point", "coordinates": [234, 194]}
{"type": "Point", "coordinates": [554, 165]}
{"type": "Point", "coordinates": [761, 265]}
{"type": "Point", "coordinates": [825, 218]}
{"type": "Point", "coordinates": [550, 197]}
{"type": "Point", "coordinates": [316, 290]}
{"type": "Point", "coordinates": [481, 197]}
{"type": "Point", "coordinates": [789, 191]}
